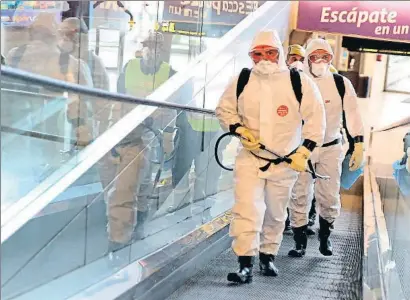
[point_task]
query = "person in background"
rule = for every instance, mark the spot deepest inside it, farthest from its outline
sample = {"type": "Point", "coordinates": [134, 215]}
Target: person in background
{"type": "Point", "coordinates": [130, 161]}
{"type": "Point", "coordinates": [73, 39]}
{"type": "Point", "coordinates": [329, 157]}
{"type": "Point", "coordinates": [295, 59]}
{"type": "Point", "coordinates": [268, 111]}
{"type": "Point", "coordinates": [42, 56]}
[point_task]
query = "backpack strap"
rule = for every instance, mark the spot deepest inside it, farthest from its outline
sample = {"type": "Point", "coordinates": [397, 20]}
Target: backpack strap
{"type": "Point", "coordinates": [63, 62]}
{"type": "Point", "coordinates": [340, 85]}
{"type": "Point", "coordinates": [15, 60]}
{"type": "Point", "coordinates": [242, 81]}
{"type": "Point", "coordinates": [296, 84]}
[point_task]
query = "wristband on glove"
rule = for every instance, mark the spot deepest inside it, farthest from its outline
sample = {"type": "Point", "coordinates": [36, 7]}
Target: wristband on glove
{"type": "Point", "coordinates": [232, 128]}
{"type": "Point", "coordinates": [309, 145]}
{"type": "Point", "coordinates": [358, 139]}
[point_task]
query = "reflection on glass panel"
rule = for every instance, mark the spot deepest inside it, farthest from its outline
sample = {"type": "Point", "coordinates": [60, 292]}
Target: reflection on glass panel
{"type": "Point", "coordinates": [153, 187]}
{"type": "Point", "coordinates": [398, 74]}
{"type": "Point", "coordinates": [37, 127]}
{"type": "Point", "coordinates": [391, 166]}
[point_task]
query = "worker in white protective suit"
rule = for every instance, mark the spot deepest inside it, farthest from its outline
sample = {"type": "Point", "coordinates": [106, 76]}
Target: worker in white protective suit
{"type": "Point", "coordinates": [327, 158]}
{"type": "Point", "coordinates": [267, 112]}
{"type": "Point", "coordinates": [296, 57]}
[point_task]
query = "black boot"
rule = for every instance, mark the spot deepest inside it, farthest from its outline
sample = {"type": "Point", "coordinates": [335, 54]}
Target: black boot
{"type": "Point", "coordinates": [324, 233]}
{"type": "Point", "coordinates": [300, 237]}
{"type": "Point", "coordinates": [310, 231]}
{"type": "Point", "coordinates": [244, 274]}
{"type": "Point", "coordinates": [287, 229]}
{"type": "Point", "coordinates": [312, 213]}
{"type": "Point", "coordinates": [139, 229]}
{"type": "Point", "coordinates": [266, 264]}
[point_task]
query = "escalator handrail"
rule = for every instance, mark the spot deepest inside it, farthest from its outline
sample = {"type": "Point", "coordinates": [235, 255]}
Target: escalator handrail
{"type": "Point", "coordinates": [93, 92]}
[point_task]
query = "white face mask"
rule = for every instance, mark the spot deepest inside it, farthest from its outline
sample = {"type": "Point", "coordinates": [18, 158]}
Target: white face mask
{"type": "Point", "coordinates": [319, 69]}
{"type": "Point", "coordinates": [297, 65]}
{"type": "Point", "coordinates": [266, 67]}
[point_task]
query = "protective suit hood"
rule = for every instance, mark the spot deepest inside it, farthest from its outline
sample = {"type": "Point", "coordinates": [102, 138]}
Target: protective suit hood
{"type": "Point", "coordinates": [314, 45]}
{"type": "Point", "coordinates": [270, 38]}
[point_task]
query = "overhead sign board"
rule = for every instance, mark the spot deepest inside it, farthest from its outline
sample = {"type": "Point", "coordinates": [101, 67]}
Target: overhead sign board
{"type": "Point", "coordinates": [389, 20]}
{"type": "Point", "coordinates": [204, 18]}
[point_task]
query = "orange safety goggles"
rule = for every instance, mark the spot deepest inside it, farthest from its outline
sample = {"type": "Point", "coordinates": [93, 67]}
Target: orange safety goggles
{"type": "Point", "coordinates": [317, 58]}
{"type": "Point", "coordinates": [260, 54]}
{"type": "Point", "coordinates": [293, 59]}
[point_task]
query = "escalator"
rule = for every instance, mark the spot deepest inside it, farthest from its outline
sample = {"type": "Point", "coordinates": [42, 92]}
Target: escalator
{"type": "Point", "coordinates": [311, 277]}
{"type": "Point", "coordinates": [55, 242]}
{"type": "Point", "coordinates": [65, 237]}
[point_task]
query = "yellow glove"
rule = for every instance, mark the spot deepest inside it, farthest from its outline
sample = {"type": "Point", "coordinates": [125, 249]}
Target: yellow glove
{"type": "Point", "coordinates": [300, 159]}
{"type": "Point", "coordinates": [356, 161]}
{"type": "Point", "coordinates": [249, 141]}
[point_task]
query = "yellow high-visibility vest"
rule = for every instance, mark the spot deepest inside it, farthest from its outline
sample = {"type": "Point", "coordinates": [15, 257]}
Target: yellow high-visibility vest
{"type": "Point", "coordinates": [203, 123]}
{"type": "Point", "coordinates": [141, 85]}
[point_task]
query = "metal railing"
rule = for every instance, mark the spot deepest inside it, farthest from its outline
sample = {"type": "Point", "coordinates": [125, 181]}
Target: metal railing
{"type": "Point", "coordinates": [93, 92]}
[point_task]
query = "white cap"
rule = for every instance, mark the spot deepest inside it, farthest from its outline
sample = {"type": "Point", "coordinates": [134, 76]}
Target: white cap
{"type": "Point", "coordinates": [317, 44]}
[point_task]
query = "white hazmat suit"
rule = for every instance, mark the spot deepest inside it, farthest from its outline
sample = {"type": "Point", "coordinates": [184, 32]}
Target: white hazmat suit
{"type": "Point", "coordinates": [269, 109]}
{"type": "Point", "coordinates": [328, 158]}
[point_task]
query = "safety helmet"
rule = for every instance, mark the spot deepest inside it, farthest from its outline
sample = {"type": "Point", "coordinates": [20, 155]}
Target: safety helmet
{"type": "Point", "coordinates": [296, 50]}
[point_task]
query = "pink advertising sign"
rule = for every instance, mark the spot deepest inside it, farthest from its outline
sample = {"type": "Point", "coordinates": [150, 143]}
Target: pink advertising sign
{"type": "Point", "coordinates": [374, 19]}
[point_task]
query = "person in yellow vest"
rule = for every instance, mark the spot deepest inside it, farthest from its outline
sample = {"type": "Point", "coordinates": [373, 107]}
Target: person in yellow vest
{"type": "Point", "coordinates": [127, 168]}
